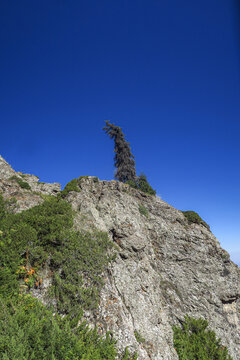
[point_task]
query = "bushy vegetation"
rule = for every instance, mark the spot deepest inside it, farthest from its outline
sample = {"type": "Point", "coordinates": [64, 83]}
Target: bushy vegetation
{"type": "Point", "coordinates": [21, 183]}
{"type": "Point", "coordinates": [44, 234]}
{"type": "Point", "coordinates": [193, 341]}
{"type": "Point", "coordinates": [142, 184]}
{"type": "Point", "coordinates": [29, 240]}
{"type": "Point", "coordinates": [127, 356]}
{"type": "Point", "coordinates": [95, 179]}
{"type": "Point", "coordinates": [143, 210]}
{"type": "Point", "coordinates": [78, 266]}
{"type": "Point", "coordinates": [194, 218]}
{"type": "Point", "coordinates": [29, 331]}
{"type": "Point", "coordinates": [3, 206]}
{"type": "Point", "coordinates": [140, 339]}
{"type": "Point", "coordinates": [73, 185]}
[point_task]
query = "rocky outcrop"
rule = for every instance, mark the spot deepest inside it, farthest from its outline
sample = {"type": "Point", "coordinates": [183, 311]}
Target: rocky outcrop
{"type": "Point", "coordinates": [12, 187]}
{"type": "Point", "coordinates": [165, 267]}
{"type": "Point", "coordinates": [5, 170]}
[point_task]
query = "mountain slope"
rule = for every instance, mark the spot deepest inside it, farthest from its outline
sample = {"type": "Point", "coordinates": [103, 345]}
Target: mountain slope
{"type": "Point", "coordinates": [165, 267]}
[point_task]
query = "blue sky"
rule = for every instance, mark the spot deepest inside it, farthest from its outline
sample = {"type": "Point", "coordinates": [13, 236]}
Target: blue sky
{"type": "Point", "coordinates": [167, 72]}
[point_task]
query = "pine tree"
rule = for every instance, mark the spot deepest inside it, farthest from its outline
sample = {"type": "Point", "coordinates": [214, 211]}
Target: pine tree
{"type": "Point", "coordinates": [124, 159]}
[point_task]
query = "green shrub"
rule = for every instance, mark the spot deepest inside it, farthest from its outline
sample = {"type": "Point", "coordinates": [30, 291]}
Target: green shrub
{"type": "Point", "coordinates": [29, 331]}
{"type": "Point", "coordinates": [41, 227]}
{"type": "Point", "coordinates": [79, 265]}
{"type": "Point", "coordinates": [2, 207]}
{"type": "Point", "coordinates": [193, 342]}
{"type": "Point", "coordinates": [143, 210]}
{"type": "Point", "coordinates": [95, 179]}
{"type": "Point", "coordinates": [21, 183]}
{"type": "Point", "coordinates": [83, 177]}
{"type": "Point", "coordinates": [194, 218]}
{"type": "Point", "coordinates": [73, 185]}
{"type": "Point", "coordinates": [126, 355]}
{"type": "Point", "coordinates": [142, 184]}
{"type": "Point", "coordinates": [77, 260]}
{"type": "Point", "coordinates": [132, 183]}
{"type": "Point", "coordinates": [7, 206]}
{"type": "Point", "coordinates": [140, 339]}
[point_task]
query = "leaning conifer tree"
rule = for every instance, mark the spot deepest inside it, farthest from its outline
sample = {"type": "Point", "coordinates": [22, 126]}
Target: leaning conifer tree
{"type": "Point", "coordinates": [124, 159]}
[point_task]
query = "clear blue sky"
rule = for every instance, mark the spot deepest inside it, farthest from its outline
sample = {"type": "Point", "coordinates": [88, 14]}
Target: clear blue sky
{"type": "Point", "coordinates": [167, 72]}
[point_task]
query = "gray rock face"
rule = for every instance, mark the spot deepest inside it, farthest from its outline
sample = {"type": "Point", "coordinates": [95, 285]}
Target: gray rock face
{"type": "Point", "coordinates": [5, 169]}
{"type": "Point", "coordinates": [25, 198]}
{"type": "Point", "coordinates": [164, 270]}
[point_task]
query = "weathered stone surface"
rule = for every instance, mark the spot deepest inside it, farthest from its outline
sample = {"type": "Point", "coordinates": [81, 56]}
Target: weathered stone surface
{"type": "Point", "coordinates": [25, 198]}
{"type": "Point", "coordinates": [5, 169]}
{"type": "Point", "coordinates": [41, 187]}
{"type": "Point", "coordinates": [165, 268]}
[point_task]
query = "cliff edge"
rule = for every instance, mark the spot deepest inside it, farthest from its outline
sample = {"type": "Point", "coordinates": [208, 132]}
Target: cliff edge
{"type": "Point", "coordinates": [165, 266]}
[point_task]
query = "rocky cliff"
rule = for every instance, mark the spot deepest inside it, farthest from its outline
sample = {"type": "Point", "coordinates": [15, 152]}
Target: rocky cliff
{"type": "Point", "coordinates": [165, 267]}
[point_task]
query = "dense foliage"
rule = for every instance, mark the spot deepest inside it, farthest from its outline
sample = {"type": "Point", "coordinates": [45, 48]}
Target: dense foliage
{"type": "Point", "coordinates": [193, 342]}
{"type": "Point", "coordinates": [40, 237]}
{"type": "Point", "coordinates": [142, 184]}
{"type": "Point", "coordinates": [71, 186]}
{"type": "Point", "coordinates": [43, 234]}
{"type": "Point", "coordinates": [75, 185]}
{"type": "Point", "coordinates": [29, 331]}
{"type": "Point", "coordinates": [143, 210]}
{"type": "Point", "coordinates": [194, 218]}
{"type": "Point", "coordinates": [80, 263]}
{"type": "Point", "coordinates": [21, 183]}
{"type": "Point", "coordinates": [124, 159]}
